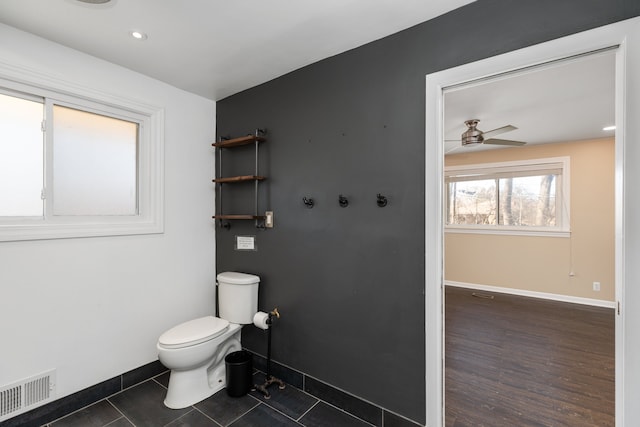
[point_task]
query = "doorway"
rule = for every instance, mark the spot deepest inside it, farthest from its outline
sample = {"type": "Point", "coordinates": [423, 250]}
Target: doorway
{"type": "Point", "coordinates": [518, 258]}
{"type": "Point", "coordinates": [625, 35]}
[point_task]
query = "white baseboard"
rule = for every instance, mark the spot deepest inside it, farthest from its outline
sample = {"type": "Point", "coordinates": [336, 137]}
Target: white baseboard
{"type": "Point", "coordinates": [533, 294]}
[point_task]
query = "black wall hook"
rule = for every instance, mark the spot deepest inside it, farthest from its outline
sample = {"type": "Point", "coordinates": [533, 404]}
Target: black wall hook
{"type": "Point", "coordinates": [308, 202]}
{"type": "Point", "coordinates": [381, 200]}
{"type": "Point", "coordinates": [342, 201]}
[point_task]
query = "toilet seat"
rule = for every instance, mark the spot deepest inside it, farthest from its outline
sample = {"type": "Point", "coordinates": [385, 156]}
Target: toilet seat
{"type": "Point", "coordinates": [193, 332]}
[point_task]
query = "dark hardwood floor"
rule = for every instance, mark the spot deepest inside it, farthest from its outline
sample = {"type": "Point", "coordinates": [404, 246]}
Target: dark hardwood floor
{"type": "Point", "coordinates": [517, 361]}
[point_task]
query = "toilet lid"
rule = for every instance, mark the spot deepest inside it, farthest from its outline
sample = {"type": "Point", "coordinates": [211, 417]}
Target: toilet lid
{"type": "Point", "coordinates": [193, 332]}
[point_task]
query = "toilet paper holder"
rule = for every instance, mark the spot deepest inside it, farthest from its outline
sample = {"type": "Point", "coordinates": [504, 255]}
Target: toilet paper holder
{"type": "Point", "coordinates": [270, 379]}
{"type": "Point", "coordinates": [263, 320]}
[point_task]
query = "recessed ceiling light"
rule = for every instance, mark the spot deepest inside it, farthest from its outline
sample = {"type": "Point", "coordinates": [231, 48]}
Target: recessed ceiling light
{"type": "Point", "coordinates": [95, 1]}
{"type": "Point", "coordinates": [138, 35]}
{"type": "Point", "coordinates": [609, 128]}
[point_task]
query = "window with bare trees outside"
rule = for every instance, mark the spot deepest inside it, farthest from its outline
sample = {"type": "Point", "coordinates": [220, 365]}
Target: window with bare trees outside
{"type": "Point", "coordinates": [530, 197]}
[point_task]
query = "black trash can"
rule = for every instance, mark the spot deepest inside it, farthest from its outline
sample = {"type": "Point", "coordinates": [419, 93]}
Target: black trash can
{"type": "Point", "coordinates": [239, 373]}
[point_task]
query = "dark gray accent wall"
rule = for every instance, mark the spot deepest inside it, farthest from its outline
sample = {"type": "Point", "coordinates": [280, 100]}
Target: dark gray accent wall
{"type": "Point", "coordinates": [349, 282]}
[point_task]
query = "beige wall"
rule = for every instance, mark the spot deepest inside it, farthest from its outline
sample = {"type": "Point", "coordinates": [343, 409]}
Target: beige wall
{"type": "Point", "coordinates": [543, 264]}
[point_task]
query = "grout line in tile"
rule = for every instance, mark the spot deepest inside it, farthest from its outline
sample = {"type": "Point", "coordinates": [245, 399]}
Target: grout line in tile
{"type": "Point", "coordinates": [268, 402]}
{"type": "Point", "coordinates": [181, 416]}
{"type": "Point", "coordinates": [307, 411]}
{"type": "Point", "coordinates": [158, 382]}
{"type": "Point", "coordinates": [246, 412]}
{"type": "Point", "coordinates": [348, 413]}
{"type": "Point", "coordinates": [161, 374]}
{"type": "Point", "coordinates": [118, 409]}
{"type": "Point", "coordinates": [117, 419]}
{"type": "Point", "coordinates": [74, 412]}
{"type": "Point", "coordinates": [399, 416]}
{"type": "Point", "coordinates": [280, 412]}
{"type": "Point", "coordinates": [207, 416]}
{"type": "Point", "coordinates": [132, 386]}
{"type": "Point", "coordinates": [254, 398]}
{"type": "Point", "coordinates": [155, 378]}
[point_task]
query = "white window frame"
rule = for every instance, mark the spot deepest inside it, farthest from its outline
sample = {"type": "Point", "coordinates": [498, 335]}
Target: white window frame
{"type": "Point", "coordinates": [149, 218]}
{"type": "Point", "coordinates": [563, 196]}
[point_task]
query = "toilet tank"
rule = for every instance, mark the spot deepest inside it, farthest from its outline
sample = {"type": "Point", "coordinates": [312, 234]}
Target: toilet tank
{"type": "Point", "coordinates": [238, 297]}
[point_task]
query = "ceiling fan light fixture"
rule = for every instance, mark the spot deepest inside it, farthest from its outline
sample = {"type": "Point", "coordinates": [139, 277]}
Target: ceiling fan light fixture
{"type": "Point", "coordinates": [472, 135]}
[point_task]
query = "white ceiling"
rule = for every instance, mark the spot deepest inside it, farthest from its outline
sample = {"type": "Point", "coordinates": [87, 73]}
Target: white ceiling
{"type": "Point", "coordinates": [216, 48]}
{"type": "Point", "coordinates": [566, 101]}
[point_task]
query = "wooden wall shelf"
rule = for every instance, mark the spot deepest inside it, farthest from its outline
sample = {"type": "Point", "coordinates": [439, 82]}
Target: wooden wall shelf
{"type": "Point", "coordinates": [238, 217]}
{"type": "Point", "coordinates": [255, 178]}
{"type": "Point", "coordinates": [237, 142]}
{"type": "Point", "coordinates": [243, 178]}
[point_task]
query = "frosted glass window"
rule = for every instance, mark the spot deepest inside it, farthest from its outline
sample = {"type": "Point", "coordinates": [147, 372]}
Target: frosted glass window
{"type": "Point", "coordinates": [77, 164]}
{"type": "Point", "coordinates": [21, 157]}
{"type": "Point", "coordinates": [94, 164]}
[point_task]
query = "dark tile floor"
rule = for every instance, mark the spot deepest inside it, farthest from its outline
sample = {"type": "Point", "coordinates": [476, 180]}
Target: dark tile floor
{"type": "Point", "coordinates": [141, 405]}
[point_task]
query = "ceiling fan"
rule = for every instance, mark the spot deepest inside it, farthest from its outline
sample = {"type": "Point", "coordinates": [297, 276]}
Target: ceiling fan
{"type": "Point", "coordinates": [473, 135]}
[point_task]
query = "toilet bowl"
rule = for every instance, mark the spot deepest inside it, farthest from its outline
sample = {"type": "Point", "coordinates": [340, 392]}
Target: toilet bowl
{"type": "Point", "coordinates": [194, 351]}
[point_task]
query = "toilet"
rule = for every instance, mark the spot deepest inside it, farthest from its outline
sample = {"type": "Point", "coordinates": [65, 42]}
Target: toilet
{"type": "Point", "coordinates": [194, 351]}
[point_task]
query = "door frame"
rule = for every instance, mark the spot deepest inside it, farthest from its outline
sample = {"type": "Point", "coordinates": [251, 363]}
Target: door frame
{"type": "Point", "coordinates": [625, 35]}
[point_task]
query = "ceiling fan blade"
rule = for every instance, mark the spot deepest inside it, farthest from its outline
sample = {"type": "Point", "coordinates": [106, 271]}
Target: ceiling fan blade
{"type": "Point", "coordinates": [495, 141]}
{"type": "Point", "coordinates": [490, 133]}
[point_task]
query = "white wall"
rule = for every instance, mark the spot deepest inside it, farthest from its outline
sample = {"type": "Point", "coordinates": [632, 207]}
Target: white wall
{"type": "Point", "coordinates": [93, 308]}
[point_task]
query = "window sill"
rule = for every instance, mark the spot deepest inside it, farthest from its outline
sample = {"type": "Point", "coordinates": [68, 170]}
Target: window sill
{"type": "Point", "coordinates": [515, 231]}
{"type": "Point", "coordinates": [46, 231]}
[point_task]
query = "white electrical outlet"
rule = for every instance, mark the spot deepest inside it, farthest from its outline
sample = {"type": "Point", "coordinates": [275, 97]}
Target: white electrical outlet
{"type": "Point", "coordinates": [596, 286]}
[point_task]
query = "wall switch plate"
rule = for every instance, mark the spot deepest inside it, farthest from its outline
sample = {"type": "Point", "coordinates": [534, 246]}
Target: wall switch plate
{"type": "Point", "coordinates": [268, 222]}
{"type": "Point", "coordinates": [596, 286]}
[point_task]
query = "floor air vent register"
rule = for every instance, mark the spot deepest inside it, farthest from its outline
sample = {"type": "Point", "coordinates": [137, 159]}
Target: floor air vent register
{"type": "Point", "coordinates": [26, 394]}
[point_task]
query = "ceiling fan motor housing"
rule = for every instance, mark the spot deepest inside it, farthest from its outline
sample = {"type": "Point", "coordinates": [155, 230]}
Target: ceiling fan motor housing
{"type": "Point", "coordinates": [472, 135]}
